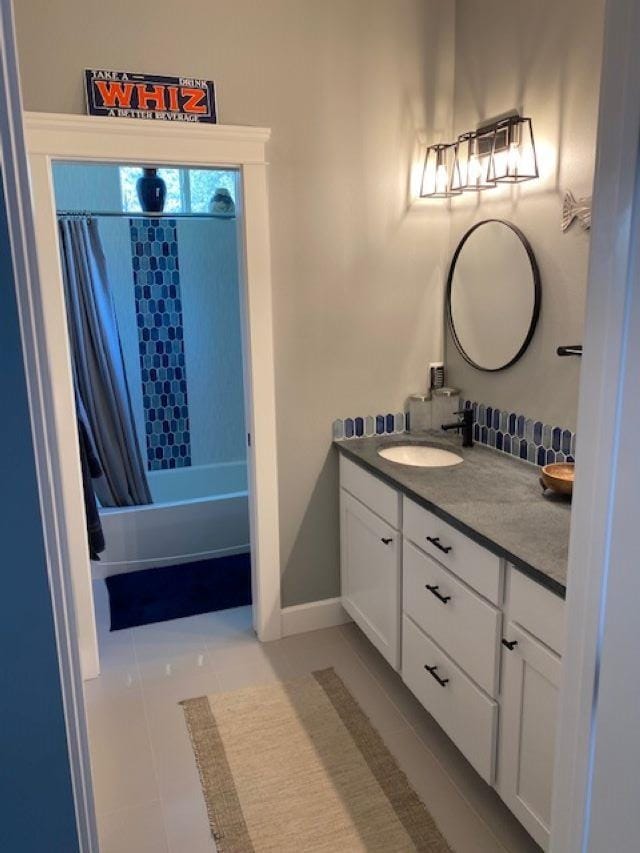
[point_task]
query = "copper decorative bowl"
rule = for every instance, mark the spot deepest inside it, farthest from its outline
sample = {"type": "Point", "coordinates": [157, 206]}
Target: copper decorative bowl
{"type": "Point", "coordinates": [558, 477]}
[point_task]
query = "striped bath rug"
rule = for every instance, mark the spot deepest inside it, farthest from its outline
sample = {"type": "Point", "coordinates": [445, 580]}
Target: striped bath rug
{"type": "Point", "coordinates": [296, 767]}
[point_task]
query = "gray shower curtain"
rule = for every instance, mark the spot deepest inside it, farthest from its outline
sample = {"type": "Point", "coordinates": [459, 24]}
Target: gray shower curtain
{"type": "Point", "coordinates": [98, 365]}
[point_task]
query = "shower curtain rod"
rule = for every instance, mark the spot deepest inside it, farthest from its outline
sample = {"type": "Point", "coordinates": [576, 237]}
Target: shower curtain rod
{"type": "Point", "coordinates": [140, 215]}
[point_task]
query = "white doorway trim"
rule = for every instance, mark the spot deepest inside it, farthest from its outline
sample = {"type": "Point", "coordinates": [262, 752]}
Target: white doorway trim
{"type": "Point", "coordinates": [596, 783]}
{"type": "Point", "coordinates": [51, 138]}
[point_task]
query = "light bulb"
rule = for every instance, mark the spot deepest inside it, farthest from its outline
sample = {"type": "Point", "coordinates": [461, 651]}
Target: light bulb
{"type": "Point", "coordinates": [441, 178]}
{"type": "Point", "coordinates": [474, 171]}
{"type": "Point", "coordinates": [513, 159]}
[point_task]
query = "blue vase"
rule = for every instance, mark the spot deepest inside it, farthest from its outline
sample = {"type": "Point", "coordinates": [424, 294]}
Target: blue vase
{"type": "Point", "coordinates": [152, 191]}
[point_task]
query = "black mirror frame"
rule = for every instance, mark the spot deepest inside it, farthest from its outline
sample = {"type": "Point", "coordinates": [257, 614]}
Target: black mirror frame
{"type": "Point", "coordinates": [536, 303]}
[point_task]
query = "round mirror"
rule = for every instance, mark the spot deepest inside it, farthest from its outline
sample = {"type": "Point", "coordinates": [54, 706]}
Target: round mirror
{"type": "Point", "coordinates": [493, 295]}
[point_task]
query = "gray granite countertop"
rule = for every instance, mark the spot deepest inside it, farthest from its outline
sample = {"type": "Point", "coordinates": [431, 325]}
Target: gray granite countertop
{"type": "Point", "coordinates": [492, 497]}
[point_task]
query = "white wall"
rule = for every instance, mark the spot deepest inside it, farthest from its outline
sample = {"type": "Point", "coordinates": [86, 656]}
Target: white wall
{"type": "Point", "coordinates": [347, 86]}
{"type": "Point", "coordinates": [544, 58]}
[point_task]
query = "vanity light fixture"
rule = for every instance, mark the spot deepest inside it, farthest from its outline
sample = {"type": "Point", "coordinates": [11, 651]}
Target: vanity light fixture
{"type": "Point", "coordinates": [502, 151]}
{"type": "Point", "coordinates": [437, 177]}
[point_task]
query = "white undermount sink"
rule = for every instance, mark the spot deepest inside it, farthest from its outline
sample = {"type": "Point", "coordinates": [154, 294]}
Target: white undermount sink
{"type": "Point", "coordinates": [420, 456]}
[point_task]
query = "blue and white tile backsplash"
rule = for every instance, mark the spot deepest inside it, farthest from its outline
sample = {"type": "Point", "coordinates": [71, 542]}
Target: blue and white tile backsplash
{"type": "Point", "coordinates": [156, 281]}
{"type": "Point", "coordinates": [517, 435]}
{"type": "Point", "coordinates": [370, 425]}
{"type": "Point", "coordinates": [508, 432]}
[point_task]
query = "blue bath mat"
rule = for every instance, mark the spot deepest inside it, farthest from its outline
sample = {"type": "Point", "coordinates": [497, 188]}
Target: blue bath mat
{"type": "Point", "coordinates": [171, 592]}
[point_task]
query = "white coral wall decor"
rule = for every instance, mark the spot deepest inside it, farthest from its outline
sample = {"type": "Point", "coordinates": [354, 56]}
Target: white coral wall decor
{"type": "Point", "coordinates": [579, 209]}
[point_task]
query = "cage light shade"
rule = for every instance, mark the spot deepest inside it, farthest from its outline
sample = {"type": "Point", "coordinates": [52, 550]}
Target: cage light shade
{"type": "Point", "coordinates": [513, 154]}
{"type": "Point", "coordinates": [472, 160]}
{"type": "Point", "coordinates": [438, 171]}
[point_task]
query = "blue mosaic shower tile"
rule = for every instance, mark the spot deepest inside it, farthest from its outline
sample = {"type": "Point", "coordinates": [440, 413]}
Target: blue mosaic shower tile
{"type": "Point", "coordinates": [156, 288]}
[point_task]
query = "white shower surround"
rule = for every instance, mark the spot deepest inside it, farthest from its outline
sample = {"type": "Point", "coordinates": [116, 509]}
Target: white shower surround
{"type": "Point", "coordinates": [198, 512]}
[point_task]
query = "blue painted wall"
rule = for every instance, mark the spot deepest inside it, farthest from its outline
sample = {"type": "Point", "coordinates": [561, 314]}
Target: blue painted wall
{"type": "Point", "coordinates": [36, 803]}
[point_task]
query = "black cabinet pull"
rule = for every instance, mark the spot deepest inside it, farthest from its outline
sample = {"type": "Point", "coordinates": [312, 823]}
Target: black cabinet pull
{"type": "Point", "coordinates": [435, 590]}
{"type": "Point", "coordinates": [435, 540]}
{"type": "Point", "coordinates": [386, 541]}
{"type": "Point", "coordinates": [509, 644]}
{"type": "Point", "coordinates": [432, 671]}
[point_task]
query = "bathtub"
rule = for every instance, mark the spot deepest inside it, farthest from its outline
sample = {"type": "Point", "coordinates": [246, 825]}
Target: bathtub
{"type": "Point", "coordinates": [198, 512]}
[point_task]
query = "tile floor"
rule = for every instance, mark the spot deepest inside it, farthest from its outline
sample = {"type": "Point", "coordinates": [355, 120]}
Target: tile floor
{"type": "Point", "coordinates": [146, 785]}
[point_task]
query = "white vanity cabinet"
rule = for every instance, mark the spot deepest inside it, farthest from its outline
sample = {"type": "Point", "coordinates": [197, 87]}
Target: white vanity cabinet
{"type": "Point", "coordinates": [531, 668]}
{"type": "Point", "coordinates": [370, 557]}
{"type": "Point", "coordinates": [477, 642]}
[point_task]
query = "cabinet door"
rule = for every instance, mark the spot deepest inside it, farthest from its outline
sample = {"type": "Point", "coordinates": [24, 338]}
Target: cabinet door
{"type": "Point", "coordinates": [531, 674]}
{"type": "Point", "coordinates": [370, 572]}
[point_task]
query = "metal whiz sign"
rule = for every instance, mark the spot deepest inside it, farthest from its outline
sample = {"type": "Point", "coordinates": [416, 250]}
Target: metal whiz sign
{"type": "Point", "coordinates": [124, 94]}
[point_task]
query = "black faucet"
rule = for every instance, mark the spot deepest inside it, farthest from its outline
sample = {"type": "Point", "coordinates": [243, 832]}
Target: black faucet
{"type": "Point", "coordinates": [464, 426]}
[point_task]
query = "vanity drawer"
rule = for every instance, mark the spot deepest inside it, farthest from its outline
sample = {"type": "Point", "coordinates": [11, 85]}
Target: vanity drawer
{"type": "Point", "coordinates": [538, 610]}
{"type": "Point", "coordinates": [468, 716]}
{"type": "Point", "coordinates": [380, 498]}
{"type": "Point", "coordinates": [478, 567]}
{"type": "Point", "coordinates": [464, 625]}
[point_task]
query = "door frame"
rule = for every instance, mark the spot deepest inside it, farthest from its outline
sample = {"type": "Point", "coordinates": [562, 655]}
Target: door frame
{"type": "Point", "coordinates": [596, 784]}
{"type": "Point", "coordinates": [89, 139]}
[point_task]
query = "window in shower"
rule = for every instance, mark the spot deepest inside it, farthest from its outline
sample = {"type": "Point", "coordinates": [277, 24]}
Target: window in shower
{"type": "Point", "coordinates": [188, 190]}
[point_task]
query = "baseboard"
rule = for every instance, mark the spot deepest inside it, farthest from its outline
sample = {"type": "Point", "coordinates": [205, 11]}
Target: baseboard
{"type": "Point", "coordinates": [312, 616]}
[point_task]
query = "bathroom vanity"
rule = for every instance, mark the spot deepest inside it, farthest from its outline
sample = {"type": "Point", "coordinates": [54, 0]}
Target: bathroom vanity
{"type": "Point", "coordinates": [457, 576]}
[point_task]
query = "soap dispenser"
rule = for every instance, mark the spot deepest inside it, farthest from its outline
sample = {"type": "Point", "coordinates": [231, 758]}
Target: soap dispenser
{"type": "Point", "coordinates": [420, 418]}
